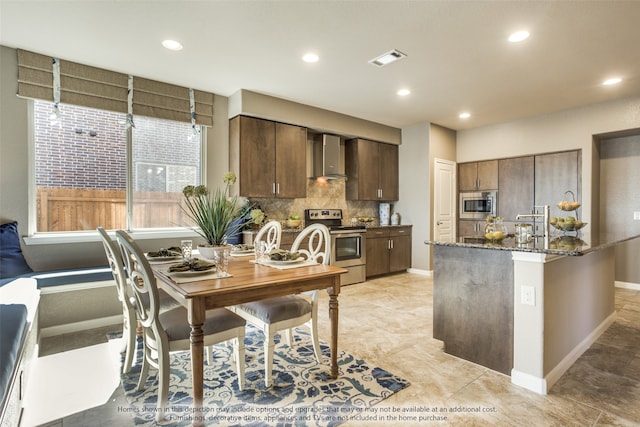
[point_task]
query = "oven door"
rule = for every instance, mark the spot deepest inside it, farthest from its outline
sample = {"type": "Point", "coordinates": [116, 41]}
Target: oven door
{"type": "Point", "coordinates": [347, 249]}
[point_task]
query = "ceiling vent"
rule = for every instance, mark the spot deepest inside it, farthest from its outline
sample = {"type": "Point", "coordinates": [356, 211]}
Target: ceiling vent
{"type": "Point", "coordinates": [387, 58]}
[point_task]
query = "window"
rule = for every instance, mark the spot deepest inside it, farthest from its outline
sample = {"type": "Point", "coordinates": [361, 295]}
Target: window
{"type": "Point", "coordinates": [81, 169]}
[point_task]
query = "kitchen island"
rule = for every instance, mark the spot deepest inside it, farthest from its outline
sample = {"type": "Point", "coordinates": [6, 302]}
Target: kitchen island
{"type": "Point", "coordinates": [526, 310]}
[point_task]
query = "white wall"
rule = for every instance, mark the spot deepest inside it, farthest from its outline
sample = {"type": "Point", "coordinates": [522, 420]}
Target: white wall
{"type": "Point", "coordinates": [414, 205]}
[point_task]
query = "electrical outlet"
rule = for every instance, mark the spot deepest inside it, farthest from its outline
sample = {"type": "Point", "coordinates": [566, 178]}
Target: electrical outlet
{"type": "Point", "coordinates": [636, 216]}
{"type": "Point", "coordinates": [528, 295]}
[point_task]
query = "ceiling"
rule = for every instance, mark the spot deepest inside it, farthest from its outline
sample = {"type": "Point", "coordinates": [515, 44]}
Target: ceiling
{"type": "Point", "coordinates": [458, 58]}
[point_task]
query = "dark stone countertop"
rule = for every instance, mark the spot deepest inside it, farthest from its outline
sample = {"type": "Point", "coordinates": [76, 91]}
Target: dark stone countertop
{"type": "Point", "coordinates": [557, 245]}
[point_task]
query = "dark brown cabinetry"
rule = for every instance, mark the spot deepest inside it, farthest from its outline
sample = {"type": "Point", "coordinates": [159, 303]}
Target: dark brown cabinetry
{"type": "Point", "coordinates": [269, 158]}
{"type": "Point", "coordinates": [372, 170]}
{"type": "Point", "coordinates": [522, 183]}
{"type": "Point", "coordinates": [469, 228]}
{"type": "Point", "coordinates": [388, 249]}
{"type": "Point", "coordinates": [516, 185]}
{"type": "Point", "coordinates": [556, 173]}
{"type": "Point", "coordinates": [478, 176]}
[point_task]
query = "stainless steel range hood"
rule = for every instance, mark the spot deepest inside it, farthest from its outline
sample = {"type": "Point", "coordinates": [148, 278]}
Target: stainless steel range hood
{"type": "Point", "coordinates": [327, 158]}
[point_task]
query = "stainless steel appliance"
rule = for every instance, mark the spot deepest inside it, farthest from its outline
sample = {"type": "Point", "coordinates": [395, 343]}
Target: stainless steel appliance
{"type": "Point", "coordinates": [477, 205]}
{"type": "Point", "coordinates": [348, 248]}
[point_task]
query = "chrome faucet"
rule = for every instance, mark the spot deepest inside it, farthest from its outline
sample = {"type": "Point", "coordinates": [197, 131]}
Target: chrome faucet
{"type": "Point", "coordinates": [545, 217]}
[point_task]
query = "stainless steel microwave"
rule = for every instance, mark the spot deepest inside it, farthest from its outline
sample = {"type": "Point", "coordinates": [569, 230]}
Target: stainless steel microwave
{"type": "Point", "coordinates": [477, 205]}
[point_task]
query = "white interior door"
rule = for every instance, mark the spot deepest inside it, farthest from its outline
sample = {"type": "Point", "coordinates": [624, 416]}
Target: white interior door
{"type": "Point", "coordinates": [444, 201]}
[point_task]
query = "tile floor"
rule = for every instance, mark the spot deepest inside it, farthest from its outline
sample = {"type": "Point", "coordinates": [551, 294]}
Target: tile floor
{"type": "Point", "coordinates": [388, 322]}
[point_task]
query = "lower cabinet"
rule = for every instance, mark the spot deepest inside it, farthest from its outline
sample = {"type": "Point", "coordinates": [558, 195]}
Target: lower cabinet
{"type": "Point", "coordinates": [388, 249]}
{"type": "Point", "coordinates": [469, 228]}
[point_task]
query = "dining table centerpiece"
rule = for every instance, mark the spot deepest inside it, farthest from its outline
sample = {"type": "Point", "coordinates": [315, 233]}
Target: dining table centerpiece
{"type": "Point", "coordinates": [213, 213]}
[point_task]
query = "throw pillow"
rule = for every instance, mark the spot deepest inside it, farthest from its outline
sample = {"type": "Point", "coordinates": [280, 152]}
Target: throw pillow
{"type": "Point", "coordinates": [12, 262]}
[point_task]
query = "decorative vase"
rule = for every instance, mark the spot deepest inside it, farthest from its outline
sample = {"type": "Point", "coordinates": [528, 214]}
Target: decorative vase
{"type": "Point", "coordinates": [495, 230]}
{"type": "Point", "coordinates": [209, 251]}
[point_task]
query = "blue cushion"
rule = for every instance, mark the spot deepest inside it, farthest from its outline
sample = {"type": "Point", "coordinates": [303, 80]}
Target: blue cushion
{"type": "Point", "coordinates": [13, 324]}
{"type": "Point", "coordinates": [12, 263]}
{"type": "Point", "coordinates": [72, 276]}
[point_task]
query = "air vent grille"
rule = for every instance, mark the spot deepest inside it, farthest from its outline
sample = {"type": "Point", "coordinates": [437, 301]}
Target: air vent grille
{"type": "Point", "coordinates": [387, 58]}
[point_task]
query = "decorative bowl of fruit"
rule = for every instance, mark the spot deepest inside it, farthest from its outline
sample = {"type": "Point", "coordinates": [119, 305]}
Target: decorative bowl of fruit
{"type": "Point", "coordinates": [569, 223]}
{"type": "Point", "coordinates": [293, 221]}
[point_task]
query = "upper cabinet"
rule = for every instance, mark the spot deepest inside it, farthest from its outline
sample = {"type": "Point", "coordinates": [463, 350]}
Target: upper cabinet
{"type": "Point", "coordinates": [478, 176]}
{"type": "Point", "coordinates": [516, 184]}
{"type": "Point", "coordinates": [269, 158]}
{"type": "Point", "coordinates": [555, 174]}
{"type": "Point", "coordinates": [372, 170]}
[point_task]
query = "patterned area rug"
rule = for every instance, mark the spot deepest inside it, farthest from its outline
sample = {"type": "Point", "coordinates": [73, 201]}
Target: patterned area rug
{"type": "Point", "coordinates": [302, 393]}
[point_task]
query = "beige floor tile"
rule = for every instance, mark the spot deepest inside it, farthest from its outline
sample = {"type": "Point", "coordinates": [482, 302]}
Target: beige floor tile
{"type": "Point", "coordinates": [388, 322]}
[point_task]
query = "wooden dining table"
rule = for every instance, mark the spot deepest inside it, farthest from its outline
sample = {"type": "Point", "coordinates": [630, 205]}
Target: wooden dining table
{"type": "Point", "coordinates": [248, 282]}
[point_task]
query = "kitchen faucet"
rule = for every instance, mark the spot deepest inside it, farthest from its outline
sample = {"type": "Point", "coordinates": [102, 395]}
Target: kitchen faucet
{"type": "Point", "coordinates": [544, 216]}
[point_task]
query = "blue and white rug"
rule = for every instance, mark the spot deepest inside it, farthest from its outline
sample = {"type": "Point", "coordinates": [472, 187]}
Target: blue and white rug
{"type": "Point", "coordinates": [303, 394]}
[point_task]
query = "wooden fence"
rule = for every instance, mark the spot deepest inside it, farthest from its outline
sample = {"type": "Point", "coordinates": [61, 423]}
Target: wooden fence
{"type": "Point", "coordinates": [68, 209]}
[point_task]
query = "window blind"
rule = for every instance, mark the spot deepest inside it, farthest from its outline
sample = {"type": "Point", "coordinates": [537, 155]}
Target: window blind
{"type": "Point", "coordinates": [166, 101]}
{"type": "Point", "coordinates": [103, 89]}
{"type": "Point", "coordinates": [79, 84]}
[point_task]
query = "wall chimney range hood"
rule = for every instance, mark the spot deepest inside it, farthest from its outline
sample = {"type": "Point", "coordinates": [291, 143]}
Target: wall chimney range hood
{"type": "Point", "coordinates": [326, 157]}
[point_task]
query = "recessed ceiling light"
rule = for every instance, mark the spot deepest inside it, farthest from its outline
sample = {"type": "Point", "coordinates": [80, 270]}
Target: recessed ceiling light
{"type": "Point", "coordinates": [404, 92]}
{"type": "Point", "coordinates": [310, 57]}
{"type": "Point", "coordinates": [612, 81]}
{"type": "Point", "coordinates": [172, 44]}
{"type": "Point", "coordinates": [518, 36]}
{"type": "Point", "coordinates": [464, 115]}
{"type": "Point", "coordinates": [387, 58]}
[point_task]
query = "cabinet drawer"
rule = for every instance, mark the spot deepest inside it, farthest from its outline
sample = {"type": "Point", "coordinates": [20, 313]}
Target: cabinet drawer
{"type": "Point", "coordinates": [400, 231]}
{"type": "Point", "coordinates": [373, 233]}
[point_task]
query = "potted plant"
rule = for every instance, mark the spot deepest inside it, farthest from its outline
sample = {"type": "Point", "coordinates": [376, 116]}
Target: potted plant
{"type": "Point", "coordinates": [214, 214]}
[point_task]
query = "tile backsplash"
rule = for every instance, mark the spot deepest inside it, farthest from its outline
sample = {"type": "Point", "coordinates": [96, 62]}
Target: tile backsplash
{"type": "Point", "coordinates": [330, 194]}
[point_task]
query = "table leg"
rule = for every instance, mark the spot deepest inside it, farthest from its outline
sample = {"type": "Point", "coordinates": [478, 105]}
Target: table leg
{"type": "Point", "coordinates": [196, 320]}
{"type": "Point", "coordinates": [333, 316]}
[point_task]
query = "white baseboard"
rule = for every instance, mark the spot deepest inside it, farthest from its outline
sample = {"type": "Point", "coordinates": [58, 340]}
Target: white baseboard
{"type": "Point", "coordinates": [628, 285]}
{"type": "Point", "coordinates": [542, 385]}
{"type": "Point", "coordinates": [528, 381]}
{"type": "Point", "coordinates": [421, 272]}
{"type": "Point", "coordinates": [564, 365]}
{"type": "Point", "coordinates": [67, 328]}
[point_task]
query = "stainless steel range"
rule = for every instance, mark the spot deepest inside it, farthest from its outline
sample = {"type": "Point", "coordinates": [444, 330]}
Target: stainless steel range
{"type": "Point", "coordinates": [348, 248]}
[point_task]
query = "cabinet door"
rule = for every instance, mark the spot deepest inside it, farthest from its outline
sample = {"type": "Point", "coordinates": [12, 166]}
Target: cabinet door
{"type": "Point", "coordinates": [257, 139]}
{"type": "Point", "coordinates": [368, 165]}
{"type": "Point", "coordinates": [362, 164]}
{"type": "Point", "coordinates": [467, 176]}
{"type": "Point", "coordinates": [388, 171]}
{"type": "Point", "coordinates": [554, 174]}
{"type": "Point", "coordinates": [488, 175]}
{"type": "Point", "coordinates": [516, 185]}
{"type": "Point", "coordinates": [470, 228]}
{"type": "Point", "coordinates": [400, 254]}
{"type": "Point", "coordinates": [291, 161]}
{"type": "Point", "coordinates": [377, 241]}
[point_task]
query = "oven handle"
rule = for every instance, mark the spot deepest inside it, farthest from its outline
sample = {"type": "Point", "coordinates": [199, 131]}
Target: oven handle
{"type": "Point", "coordinates": [349, 234]}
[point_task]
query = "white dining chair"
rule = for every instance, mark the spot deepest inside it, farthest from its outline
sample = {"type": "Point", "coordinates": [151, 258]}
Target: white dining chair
{"type": "Point", "coordinates": [284, 313]}
{"type": "Point", "coordinates": [170, 331]}
{"type": "Point", "coordinates": [271, 234]}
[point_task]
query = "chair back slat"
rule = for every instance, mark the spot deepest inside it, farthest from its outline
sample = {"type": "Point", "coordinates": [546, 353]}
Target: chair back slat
{"type": "Point", "coordinates": [114, 257]}
{"type": "Point", "coordinates": [271, 234]}
{"type": "Point", "coordinates": [142, 282]}
{"type": "Point", "coordinates": [319, 246]}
